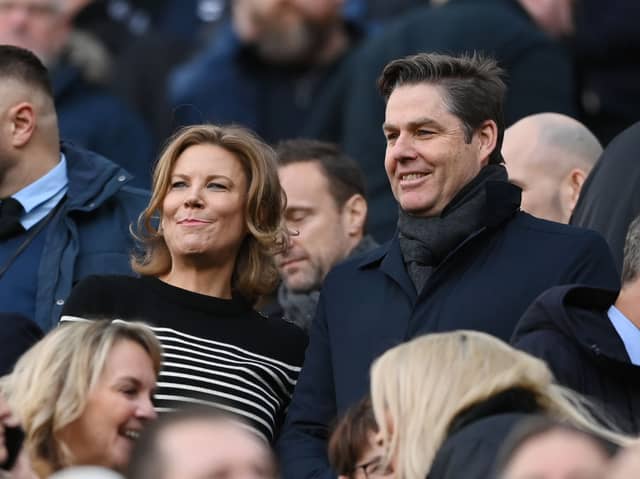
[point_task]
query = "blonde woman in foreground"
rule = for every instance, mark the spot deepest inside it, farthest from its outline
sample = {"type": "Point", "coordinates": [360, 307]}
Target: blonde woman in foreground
{"type": "Point", "coordinates": [445, 402]}
{"type": "Point", "coordinates": [83, 394]}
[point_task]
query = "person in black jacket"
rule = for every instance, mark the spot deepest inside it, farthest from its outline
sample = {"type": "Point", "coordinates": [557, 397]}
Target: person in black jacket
{"type": "Point", "coordinates": [610, 198]}
{"type": "Point", "coordinates": [452, 425]}
{"type": "Point", "coordinates": [590, 338]}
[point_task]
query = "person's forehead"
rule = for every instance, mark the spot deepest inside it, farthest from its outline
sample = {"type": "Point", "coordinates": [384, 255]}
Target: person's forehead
{"type": "Point", "coordinates": [416, 102]}
{"type": "Point", "coordinates": [304, 178]}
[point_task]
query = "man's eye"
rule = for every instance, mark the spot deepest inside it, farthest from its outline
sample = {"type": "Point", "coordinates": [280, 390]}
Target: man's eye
{"type": "Point", "coordinates": [390, 136]}
{"type": "Point", "coordinates": [422, 132]}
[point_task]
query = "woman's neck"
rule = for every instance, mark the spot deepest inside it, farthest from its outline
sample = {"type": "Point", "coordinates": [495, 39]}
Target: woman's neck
{"type": "Point", "coordinates": [210, 281]}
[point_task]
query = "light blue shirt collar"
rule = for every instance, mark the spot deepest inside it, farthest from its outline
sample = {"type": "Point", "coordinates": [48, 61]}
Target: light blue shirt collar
{"type": "Point", "coordinates": [628, 332]}
{"type": "Point", "coordinates": [42, 196]}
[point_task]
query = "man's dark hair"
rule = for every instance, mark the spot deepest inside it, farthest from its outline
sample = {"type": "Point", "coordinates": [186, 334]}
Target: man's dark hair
{"type": "Point", "coordinates": [147, 460]}
{"type": "Point", "coordinates": [343, 174]}
{"type": "Point", "coordinates": [473, 87]}
{"type": "Point", "coordinates": [23, 66]}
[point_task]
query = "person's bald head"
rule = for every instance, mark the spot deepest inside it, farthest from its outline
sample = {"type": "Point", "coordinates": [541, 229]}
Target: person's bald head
{"type": "Point", "coordinates": [549, 156]}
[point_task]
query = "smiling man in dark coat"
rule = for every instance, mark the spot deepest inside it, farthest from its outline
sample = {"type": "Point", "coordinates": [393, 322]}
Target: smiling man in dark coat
{"type": "Point", "coordinates": [463, 257]}
{"type": "Point", "coordinates": [590, 338]}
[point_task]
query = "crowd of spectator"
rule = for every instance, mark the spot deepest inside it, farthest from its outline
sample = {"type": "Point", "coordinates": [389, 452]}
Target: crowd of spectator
{"type": "Point", "coordinates": [319, 239]}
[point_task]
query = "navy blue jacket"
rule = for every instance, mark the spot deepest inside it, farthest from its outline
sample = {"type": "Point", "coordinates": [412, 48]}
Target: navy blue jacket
{"type": "Point", "coordinates": [568, 327]}
{"type": "Point", "coordinates": [369, 305]}
{"type": "Point", "coordinates": [90, 233]}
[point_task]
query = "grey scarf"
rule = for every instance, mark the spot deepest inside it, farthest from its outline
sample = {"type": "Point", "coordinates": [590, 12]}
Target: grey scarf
{"type": "Point", "coordinates": [425, 242]}
{"type": "Point", "coordinates": [300, 308]}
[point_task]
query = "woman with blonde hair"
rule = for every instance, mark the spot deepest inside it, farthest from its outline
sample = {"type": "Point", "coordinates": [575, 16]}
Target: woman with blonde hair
{"type": "Point", "coordinates": [445, 402]}
{"type": "Point", "coordinates": [208, 237]}
{"type": "Point", "coordinates": [83, 394]}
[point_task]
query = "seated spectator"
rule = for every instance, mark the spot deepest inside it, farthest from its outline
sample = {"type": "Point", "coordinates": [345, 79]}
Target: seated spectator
{"type": "Point", "coordinates": [326, 215]}
{"type": "Point", "coordinates": [354, 449]}
{"type": "Point", "coordinates": [88, 115]}
{"type": "Point", "coordinates": [267, 68]}
{"type": "Point", "coordinates": [610, 197]}
{"type": "Point", "coordinates": [451, 425]}
{"type": "Point", "coordinates": [219, 203]}
{"type": "Point", "coordinates": [549, 156]}
{"type": "Point", "coordinates": [463, 257]}
{"type": "Point", "coordinates": [65, 212]}
{"type": "Point", "coordinates": [539, 71]}
{"type": "Point", "coordinates": [544, 449]}
{"type": "Point", "coordinates": [83, 394]}
{"type": "Point", "coordinates": [590, 338]}
{"type": "Point", "coordinates": [197, 444]}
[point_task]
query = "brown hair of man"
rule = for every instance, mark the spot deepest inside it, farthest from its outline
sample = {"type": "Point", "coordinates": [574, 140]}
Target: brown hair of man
{"type": "Point", "coordinates": [472, 86]}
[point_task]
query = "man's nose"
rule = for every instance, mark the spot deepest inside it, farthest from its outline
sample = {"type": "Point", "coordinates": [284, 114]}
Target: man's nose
{"type": "Point", "coordinates": [402, 148]}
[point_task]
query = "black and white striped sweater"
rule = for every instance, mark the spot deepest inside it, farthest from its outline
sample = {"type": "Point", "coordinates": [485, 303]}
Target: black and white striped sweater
{"type": "Point", "coordinates": [216, 352]}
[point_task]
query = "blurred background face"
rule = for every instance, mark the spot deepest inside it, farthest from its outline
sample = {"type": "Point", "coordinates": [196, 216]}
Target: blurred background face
{"type": "Point", "coordinates": [37, 25]}
{"type": "Point", "coordinates": [215, 449]}
{"type": "Point", "coordinates": [557, 455]}
{"type": "Point", "coordinates": [117, 409]}
{"type": "Point", "coordinates": [322, 239]}
{"type": "Point", "coordinates": [285, 31]}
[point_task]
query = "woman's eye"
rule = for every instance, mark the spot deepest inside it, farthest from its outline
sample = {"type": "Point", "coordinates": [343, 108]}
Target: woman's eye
{"type": "Point", "coordinates": [216, 186]}
{"type": "Point", "coordinates": [178, 184]}
{"type": "Point", "coordinates": [129, 391]}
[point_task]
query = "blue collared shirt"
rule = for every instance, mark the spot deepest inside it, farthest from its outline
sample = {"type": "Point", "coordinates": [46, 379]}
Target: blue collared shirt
{"type": "Point", "coordinates": [628, 332]}
{"type": "Point", "coordinates": [42, 196]}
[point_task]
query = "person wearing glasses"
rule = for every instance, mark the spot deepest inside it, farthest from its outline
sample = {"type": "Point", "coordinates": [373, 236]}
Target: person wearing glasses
{"type": "Point", "coordinates": [355, 452]}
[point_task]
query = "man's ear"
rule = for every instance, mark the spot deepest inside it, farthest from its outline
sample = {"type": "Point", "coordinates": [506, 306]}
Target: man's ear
{"type": "Point", "coordinates": [354, 215]}
{"type": "Point", "coordinates": [487, 135]}
{"type": "Point", "coordinates": [23, 123]}
{"type": "Point", "coordinates": [573, 185]}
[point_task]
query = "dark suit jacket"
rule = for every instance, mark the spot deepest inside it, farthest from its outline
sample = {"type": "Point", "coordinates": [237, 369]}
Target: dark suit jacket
{"type": "Point", "coordinates": [369, 305]}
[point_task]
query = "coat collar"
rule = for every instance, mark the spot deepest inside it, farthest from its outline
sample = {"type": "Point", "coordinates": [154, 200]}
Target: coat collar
{"type": "Point", "coordinates": [503, 201]}
{"type": "Point", "coordinates": [92, 178]}
{"type": "Point", "coordinates": [580, 314]}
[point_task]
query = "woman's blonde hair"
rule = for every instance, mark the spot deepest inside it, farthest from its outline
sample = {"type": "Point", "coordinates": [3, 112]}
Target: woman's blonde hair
{"type": "Point", "coordinates": [419, 387]}
{"type": "Point", "coordinates": [255, 272]}
{"type": "Point", "coordinates": [49, 385]}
